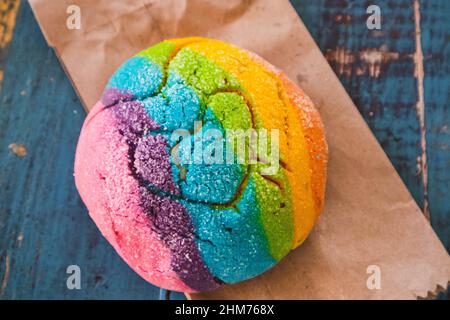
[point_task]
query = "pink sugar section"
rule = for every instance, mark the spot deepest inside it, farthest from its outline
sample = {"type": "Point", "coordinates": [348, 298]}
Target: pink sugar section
{"type": "Point", "coordinates": [102, 164]}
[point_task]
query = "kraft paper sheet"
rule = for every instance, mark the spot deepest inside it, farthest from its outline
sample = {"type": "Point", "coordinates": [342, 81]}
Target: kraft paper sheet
{"type": "Point", "coordinates": [370, 218]}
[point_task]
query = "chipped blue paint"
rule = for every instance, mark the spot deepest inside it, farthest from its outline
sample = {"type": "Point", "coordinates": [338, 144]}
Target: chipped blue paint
{"type": "Point", "coordinates": [435, 35]}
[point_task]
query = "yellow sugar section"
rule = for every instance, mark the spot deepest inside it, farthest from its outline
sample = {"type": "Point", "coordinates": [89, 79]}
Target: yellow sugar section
{"type": "Point", "coordinates": [272, 110]}
{"type": "Point", "coordinates": [182, 42]}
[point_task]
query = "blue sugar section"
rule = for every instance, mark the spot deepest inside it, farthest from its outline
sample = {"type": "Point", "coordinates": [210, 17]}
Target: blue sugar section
{"type": "Point", "coordinates": [176, 107]}
{"type": "Point", "coordinates": [138, 76]}
{"type": "Point", "coordinates": [232, 241]}
{"type": "Point", "coordinates": [207, 176]}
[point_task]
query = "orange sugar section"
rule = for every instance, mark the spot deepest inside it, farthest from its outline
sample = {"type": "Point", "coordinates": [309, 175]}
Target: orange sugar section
{"type": "Point", "coordinates": [315, 137]}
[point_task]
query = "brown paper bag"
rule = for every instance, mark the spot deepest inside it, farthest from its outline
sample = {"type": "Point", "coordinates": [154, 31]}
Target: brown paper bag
{"type": "Point", "coordinates": [370, 222]}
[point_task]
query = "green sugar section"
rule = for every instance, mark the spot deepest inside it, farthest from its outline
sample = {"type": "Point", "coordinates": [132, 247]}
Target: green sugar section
{"type": "Point", "coordinates": [230, 110]}
{"type": "Point", "coordinates": [276, 212]}
{"type": "Point", "coordinates": [159, 54]}
{"type": "Point", "coordinates": [203, 75]}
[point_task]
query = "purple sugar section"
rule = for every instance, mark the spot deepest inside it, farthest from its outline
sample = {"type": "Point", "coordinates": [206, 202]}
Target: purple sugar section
{"type": "Point", "coordinates": [113, 96]}
{"type": "Point", "coordinates": [170, 219]}
{"type": "Point", "coordinates": [152, 163]}
{"type": "Point", "coordinates": [172, 223]}
{"type": "Point", "coordinates": [134, 122]}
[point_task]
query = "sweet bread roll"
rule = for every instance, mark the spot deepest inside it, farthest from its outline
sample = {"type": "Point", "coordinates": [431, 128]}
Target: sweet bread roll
{"type": "Point", "coordinates": [202, 164]}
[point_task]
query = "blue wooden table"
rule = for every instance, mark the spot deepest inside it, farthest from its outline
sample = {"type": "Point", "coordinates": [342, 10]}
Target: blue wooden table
{"type": "Point", "coordinates": [399, 79]}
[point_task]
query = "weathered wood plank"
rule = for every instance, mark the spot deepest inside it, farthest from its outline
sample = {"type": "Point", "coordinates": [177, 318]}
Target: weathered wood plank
{"type": "Point", "coordinates": [435, 36]}
{"type": "Point", "coordinates": [44, 227]}
{"type": "Point", "coordinates": [377, 69]}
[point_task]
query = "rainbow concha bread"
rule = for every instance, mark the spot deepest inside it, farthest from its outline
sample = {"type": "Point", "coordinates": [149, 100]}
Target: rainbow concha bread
{"type": "Point", "coordinates": [190, 225]}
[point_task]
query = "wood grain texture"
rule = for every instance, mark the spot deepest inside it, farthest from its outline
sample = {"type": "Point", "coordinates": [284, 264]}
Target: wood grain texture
{"type": "Point", "coordinates": [44, 227]}
{"type": "Point", "coordinates": [377, 69]}
{"type": "Point", "coordinates": [435, 24]}
{"type": "Point", "coordinates": [381, 71]}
